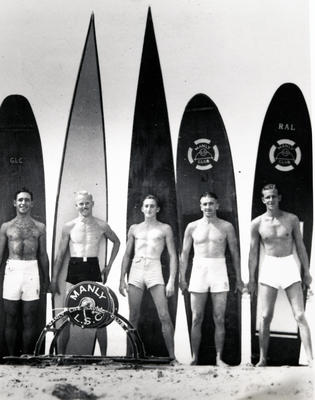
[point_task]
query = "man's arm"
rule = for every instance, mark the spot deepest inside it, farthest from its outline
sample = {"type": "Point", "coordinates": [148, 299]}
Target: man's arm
{"type": "Point", "coordinates": [169, 240]}
{"type": "Point", "coordinates": [62, 249]}
{"type": "Point", "coordinates": [3, 240]}
{"type": "Point", "coordinates": [111, 235]}
{"type": "Point", "coordinates": [253, 256]}
{"type": "Point", "coordinates": [301, 251]}
{"type": "Point", "coordinates": [43, 259]}
{"type": "Point", "coordinates": [187, 243]}
{"type": "Point", "coordinates": [123, 287]}
{"type": "Point", "coordinates": [234, 250]}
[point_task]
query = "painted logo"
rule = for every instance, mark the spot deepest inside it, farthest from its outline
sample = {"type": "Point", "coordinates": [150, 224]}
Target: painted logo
{"type": "Point", "coordinates": [285, 155]}
{"type": "Point", "coordinates": [203, 155]}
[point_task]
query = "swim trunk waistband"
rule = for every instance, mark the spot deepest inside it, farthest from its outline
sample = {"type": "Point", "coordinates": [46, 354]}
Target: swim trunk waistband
{"type": "Point", "coordinates": [84, 259]}
{"type": "Point", "coordinates": [27, 265]}
{"type": "Point", "coordinates": [146, 258]}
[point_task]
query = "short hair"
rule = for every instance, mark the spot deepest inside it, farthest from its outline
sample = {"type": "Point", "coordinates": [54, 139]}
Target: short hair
{"type": "Point", "coordinates": [152, 197]}
{"type": "Point", "coordinates": [269, 186]}
{"type": "Point", "coordinates": [83, 193]}
{"type": "Point", "coordinates": [208, 194]}
{"type": "Point", "coordinates": [23, 190]}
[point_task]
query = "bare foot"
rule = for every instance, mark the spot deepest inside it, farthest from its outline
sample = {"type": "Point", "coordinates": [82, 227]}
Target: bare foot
{"type": "Point", "coordinates": [221, 363]}
{"type": "Point", "coordinates": [174, 362]}
{"type": "Point", "coordinates": [194, 362]}
{"type": "Point", "coordinates": [261, 363]}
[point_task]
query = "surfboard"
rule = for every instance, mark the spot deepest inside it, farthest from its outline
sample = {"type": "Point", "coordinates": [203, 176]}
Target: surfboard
{"type": "Point", "coordinates": [284, 158]}
{"type": "Point", "coordinates": [83, 168]}
{"type": "Point", "coordinates": [204, 164]}
{"type": "Point", "coordinates": [21, 165]}
{"type": "Point", "coordinates": [151, 171]}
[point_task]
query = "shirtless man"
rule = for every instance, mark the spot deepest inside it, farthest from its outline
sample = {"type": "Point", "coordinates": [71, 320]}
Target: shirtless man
{"type": "Point", "coordinates": [278, 231]}
{"type": "Point", "coordinates": [147, 240]}
{"type": "Point", "coordinates": [82, 236]}
{"type": "Point", "coordinates": [209, 236]}
{"type": "Point", "coordinates": [26, 241]}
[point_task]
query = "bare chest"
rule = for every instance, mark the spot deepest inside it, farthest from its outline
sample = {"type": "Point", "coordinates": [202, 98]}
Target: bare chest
{"type": "Point", "coordinates": [207, 234]}
{"type": "Point", "coordinates": [22, 232]}
{"type": "Point", "coordinates": [82, 233]}
{"type": "Point", "coordinates": [275, 229]}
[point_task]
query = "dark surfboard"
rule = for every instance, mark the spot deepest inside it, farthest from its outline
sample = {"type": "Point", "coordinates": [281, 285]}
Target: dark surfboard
{"type": "Point", "coordinates": [285, 158]}
{"type": "Point", "coordinates": [151, 171]}
{"type": "Point", "coordinates": [21, 165]}
{"type": "Point", "coordinates": [204, 164]}
{"type": "Point", "coordinates": [83, 168]}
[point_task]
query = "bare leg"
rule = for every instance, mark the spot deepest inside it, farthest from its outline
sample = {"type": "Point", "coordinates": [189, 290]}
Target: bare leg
{"type": "Point", "coordinates": [295, 296]}
{"type": "Point", "coordinates": [268, 297]}
{"type": "Point", "coordinates": [160, 301]}
{"type": "Point", "coordinates": [135, 295]}
{"type": "Point", "coordinates": [198, 302]}
{"type": "Point", "coordinates": [219, 306]}
{"type": "Point", "coordinates": [29, 311]}
{"type": "Point", "coordinates": [11, 308]}
{"type": "Point", "coordinates": [101, 334]}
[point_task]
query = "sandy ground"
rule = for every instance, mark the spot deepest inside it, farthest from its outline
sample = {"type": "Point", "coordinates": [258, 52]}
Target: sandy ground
{"type": "Point", "coordinates": [118, 381]}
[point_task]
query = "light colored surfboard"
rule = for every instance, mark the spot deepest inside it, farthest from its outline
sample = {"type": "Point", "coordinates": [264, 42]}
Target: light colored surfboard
{"type": "Point", "coordinates": [83, 168]}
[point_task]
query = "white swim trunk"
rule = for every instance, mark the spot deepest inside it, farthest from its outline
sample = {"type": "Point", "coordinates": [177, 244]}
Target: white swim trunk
{"type": "Point", "coordinates": [279, 272]}
{"type": "Point", "coordinates": [145, 272]}
{"type": "Point", "coordinates": [209, 275]}
{"type": "Point", "coordinates": [21, 280]}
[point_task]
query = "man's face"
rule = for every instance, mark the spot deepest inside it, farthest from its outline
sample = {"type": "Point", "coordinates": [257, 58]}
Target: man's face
{"type": "Point", "coordinates": [271, 198]}
{"type": "Point", "coordinates": [84, 205]}
{"type": "Point", "coordinates": [23, 203]}
{"type": "Point", "coordinates": [149, 208]}
{"type": "Point", "coordinates": [209, 206]}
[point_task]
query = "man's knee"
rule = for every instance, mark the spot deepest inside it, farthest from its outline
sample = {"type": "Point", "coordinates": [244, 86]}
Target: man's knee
{"type": "Point", "coordinates": [266, 318]}
{"type": "Point", "coordinates": [197, 318]}
{"type": "Point", "coordinates": [219, 318]}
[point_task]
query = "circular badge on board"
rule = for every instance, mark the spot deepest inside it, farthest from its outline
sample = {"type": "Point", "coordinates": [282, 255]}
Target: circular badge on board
{"type": "Point", "coordinates": [285, 155]}
{"type": "Point", "coordinates": [203, 154]}
{"type": "Point", "coordinates": [87, 301]}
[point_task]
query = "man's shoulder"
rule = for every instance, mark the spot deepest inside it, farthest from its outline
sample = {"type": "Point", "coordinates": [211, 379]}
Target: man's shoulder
{"type": "Point", "coordinates": [40, 225]}
{"type": "Point", "coordinates": [289, 216]}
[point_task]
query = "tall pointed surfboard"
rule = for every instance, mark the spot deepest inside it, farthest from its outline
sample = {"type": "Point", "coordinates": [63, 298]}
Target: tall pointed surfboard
{"type": "Point", "coordinates": [21, 164]}
{"type": "Point", "coordinates": [83, 168]}
{"type": "Point", "coordinates": [284, 158]}
{"type": "Point", "coordinates": [204, 164]}
{"type": "Point", "coordinates": [151, 171]}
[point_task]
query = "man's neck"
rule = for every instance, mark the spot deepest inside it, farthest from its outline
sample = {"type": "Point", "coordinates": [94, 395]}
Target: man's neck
{"type": "Point", "coordinates": [208, 220]}
{"type": "Point", "coordinates": [274, 213]}
{"type": "Point", "coordinates": [23, 217]}
{"type": "Point", "coordinates": [84, 219]}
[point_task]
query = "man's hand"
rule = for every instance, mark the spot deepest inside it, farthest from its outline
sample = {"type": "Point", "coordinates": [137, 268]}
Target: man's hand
{"type": "Point", "coordinates": [123, 288]}
{"type": "Point", "coordinates": [54, 287]}
{"type": "Point", "coordinates": [252, 287]}
{"type": "Point", "coordinates": [307, 280]}
{"type": "Point", "coordinates": [105, 273]}
{"type": "Point", "coordinates": [183, 285]}
{"type": "Point", "coordinates": [239, 286]}
{"type": "Point", "coordinates": [169, 290]}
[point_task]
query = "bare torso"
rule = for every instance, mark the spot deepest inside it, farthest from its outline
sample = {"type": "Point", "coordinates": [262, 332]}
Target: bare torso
{"type": "Point", "coordinates": [149, 239]}
{"type": "Point", "coordinates": [23, 236]}
{"type": "Point", "coordinates": [85, 236]}
{"type": "Point", "coordinates": [276, 234]}
{"type": "Point", "coordinates": [209, 238]}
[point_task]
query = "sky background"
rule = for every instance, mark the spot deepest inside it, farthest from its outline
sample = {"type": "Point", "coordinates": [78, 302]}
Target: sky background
{"type": "Point", "coordinates": [237, 53]}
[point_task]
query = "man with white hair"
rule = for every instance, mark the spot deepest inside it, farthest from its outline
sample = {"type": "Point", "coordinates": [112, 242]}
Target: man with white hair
{"type": "Point", "coordinates": [83, 236]}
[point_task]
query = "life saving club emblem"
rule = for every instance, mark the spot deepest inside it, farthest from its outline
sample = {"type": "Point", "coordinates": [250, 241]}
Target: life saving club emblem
{"type": "Point", "coordinates": [285, 155]}
{"type": "Point", "coordinates": [203, 155]}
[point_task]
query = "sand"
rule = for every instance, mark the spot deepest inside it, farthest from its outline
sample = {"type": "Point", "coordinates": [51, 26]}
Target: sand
{"type": "Point", "coordinates": [118, 381]}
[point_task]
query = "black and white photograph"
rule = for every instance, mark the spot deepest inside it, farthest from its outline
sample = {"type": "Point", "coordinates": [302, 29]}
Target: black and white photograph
{"type": "Point", "coordinates": [156, 213]}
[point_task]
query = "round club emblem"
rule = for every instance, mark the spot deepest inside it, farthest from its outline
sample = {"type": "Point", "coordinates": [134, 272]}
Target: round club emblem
{"type": "Point", "coordinates": [203, 154]}
{"type": "Point", "coordinates": [87, 302]}
{"type": "Point", "coordinates": [285, 155]}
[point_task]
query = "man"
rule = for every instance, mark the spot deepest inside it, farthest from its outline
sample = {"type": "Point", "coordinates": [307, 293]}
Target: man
{"type": "Point", "coordinates": [278, 232]}
{"type": "Point", "coordinates": [82, 236]}
{"type": "Point", "coordinates": [147, 240]}
{"type": "Point", "coordinates": [209, 236]}
{"type": "Point", "coordinates": [26, 241]}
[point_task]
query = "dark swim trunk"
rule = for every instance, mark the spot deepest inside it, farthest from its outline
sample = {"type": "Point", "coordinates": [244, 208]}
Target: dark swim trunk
{"type": "Point", "coordinates": [80, 270]}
